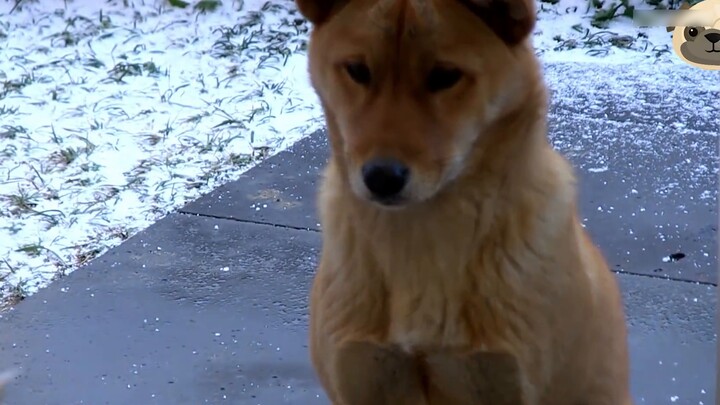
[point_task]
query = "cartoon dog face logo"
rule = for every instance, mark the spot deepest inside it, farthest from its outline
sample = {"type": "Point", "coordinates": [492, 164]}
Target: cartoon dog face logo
{"type": "Point", "coordinates": [697, 45]}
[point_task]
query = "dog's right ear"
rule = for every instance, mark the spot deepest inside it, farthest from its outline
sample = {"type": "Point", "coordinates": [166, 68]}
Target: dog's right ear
{"type": "Point", "coordinates": [512, 20]}
{"type": "Point", "coordinates": [319, 11]}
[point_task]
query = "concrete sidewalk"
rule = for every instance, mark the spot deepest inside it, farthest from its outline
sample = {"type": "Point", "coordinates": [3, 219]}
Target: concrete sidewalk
{"type": "Point", "coordinates": [209, 305]}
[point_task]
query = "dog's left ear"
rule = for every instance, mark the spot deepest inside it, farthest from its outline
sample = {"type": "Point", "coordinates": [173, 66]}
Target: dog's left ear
{"type": "Point", "coordinates": [511, 20]}
{"type": "Point", "coordinates": [318, 11]}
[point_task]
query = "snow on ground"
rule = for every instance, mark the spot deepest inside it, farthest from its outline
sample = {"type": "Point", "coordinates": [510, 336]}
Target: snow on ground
{"type": "Point", "coordinates": [564, 34]}
{"type": "Point", "coordinates": [114, 113]}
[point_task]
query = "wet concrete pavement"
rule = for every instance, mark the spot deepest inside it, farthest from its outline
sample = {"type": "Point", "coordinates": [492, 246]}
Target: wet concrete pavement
{"type": "Point", "coordinates": [209, 304]}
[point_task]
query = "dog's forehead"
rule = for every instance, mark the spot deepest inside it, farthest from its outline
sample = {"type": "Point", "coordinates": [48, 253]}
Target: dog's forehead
{"type": "Point", "coordinates": [402, 17]}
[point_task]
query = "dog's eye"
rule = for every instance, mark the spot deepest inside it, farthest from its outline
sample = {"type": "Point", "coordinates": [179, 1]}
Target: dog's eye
{"type": "Point", "coordinates": [692, 32]}
{"type": "Point", "coordinates": [441, 78]}
{"type": "Point", "coordinates": [358, 72]}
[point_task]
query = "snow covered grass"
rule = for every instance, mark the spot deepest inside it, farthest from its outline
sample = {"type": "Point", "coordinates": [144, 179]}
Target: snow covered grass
{"type": "Point", "coordinates": [600, 31]}
{"type": "Point", "coordinates": [114, 113]}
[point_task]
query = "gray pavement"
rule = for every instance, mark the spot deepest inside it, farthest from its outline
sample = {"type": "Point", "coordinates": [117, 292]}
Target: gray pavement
{"type": "Point", "coordinates": [209, 304]}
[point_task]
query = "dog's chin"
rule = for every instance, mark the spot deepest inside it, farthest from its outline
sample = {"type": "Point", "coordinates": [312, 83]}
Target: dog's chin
{"type": "Point", "coordinates": [390, 204]}
{"type": "Point", "coordinates": [400, 202]}
{"type": "Point", "coordinates": [394, 203]}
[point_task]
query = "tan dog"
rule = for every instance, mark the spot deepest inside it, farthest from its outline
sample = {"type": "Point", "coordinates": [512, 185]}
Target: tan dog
{"type": "Point", "coordinates": [454, 268]}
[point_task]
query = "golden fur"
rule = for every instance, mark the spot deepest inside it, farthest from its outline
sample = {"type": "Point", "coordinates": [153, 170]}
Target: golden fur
{"type": "Point", "coordinates": [482, 287]}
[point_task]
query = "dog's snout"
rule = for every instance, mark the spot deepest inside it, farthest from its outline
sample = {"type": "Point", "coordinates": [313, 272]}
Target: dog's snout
{"type": "Point", "coordinates": [713, 37]}
{"type": "Point", "coordinates": [385, 178]}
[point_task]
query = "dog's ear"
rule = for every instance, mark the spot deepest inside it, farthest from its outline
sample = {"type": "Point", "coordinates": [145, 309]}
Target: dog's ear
{"type": "Point", "coordinates": [512, 20]}
{"type": "Point", "coordinates": [318, 11]}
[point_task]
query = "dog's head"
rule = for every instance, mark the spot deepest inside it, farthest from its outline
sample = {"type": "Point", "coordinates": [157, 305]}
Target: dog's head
{"type": "Point", "coordinates": [700, 45]}
{"type": "Point", "coordinates": [410, 87]}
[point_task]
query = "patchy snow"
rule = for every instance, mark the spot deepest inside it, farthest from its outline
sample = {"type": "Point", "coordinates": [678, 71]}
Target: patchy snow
{"type": "Point", "coordinates": [564, 34]}
{"type": "Point", "coordinates": [114, 113]}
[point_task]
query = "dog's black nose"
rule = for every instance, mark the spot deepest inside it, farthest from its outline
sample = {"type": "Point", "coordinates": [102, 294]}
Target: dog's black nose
{"type": "Point", "coordinates": [385, 178]}
{"type": "Point", "coordinates": [713, 37]}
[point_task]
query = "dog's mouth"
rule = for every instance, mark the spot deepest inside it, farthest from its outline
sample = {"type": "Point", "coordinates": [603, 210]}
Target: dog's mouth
{"type": "Point", "coordinates": [392, 203]}
{"type": "Point", "coordinates": [713, 51]}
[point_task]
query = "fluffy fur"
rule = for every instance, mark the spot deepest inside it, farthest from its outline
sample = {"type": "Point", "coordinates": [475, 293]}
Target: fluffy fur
{"type": "Point", "coordinates": [481, 286]}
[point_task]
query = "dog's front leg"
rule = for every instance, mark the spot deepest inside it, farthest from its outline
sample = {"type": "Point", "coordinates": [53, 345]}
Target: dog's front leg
{"type": "Point", "coordinates": [367, 374]}
{"type": "Point", "coordinates": [482, 378]}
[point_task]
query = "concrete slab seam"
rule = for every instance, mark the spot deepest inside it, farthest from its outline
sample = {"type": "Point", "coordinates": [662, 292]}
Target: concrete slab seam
{"type": "Point", "coordinates": [247, 221]}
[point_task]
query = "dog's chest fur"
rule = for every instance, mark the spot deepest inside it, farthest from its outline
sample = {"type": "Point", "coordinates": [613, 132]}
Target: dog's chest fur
{"type": "Point", "coordinates": [447, 300]}
{"type": "Point", "coordinates": [445, 291]}
{"type": "Point", "coordinates": [445, 286]}
{"type": "Point", "coordinates": [428, 277]}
